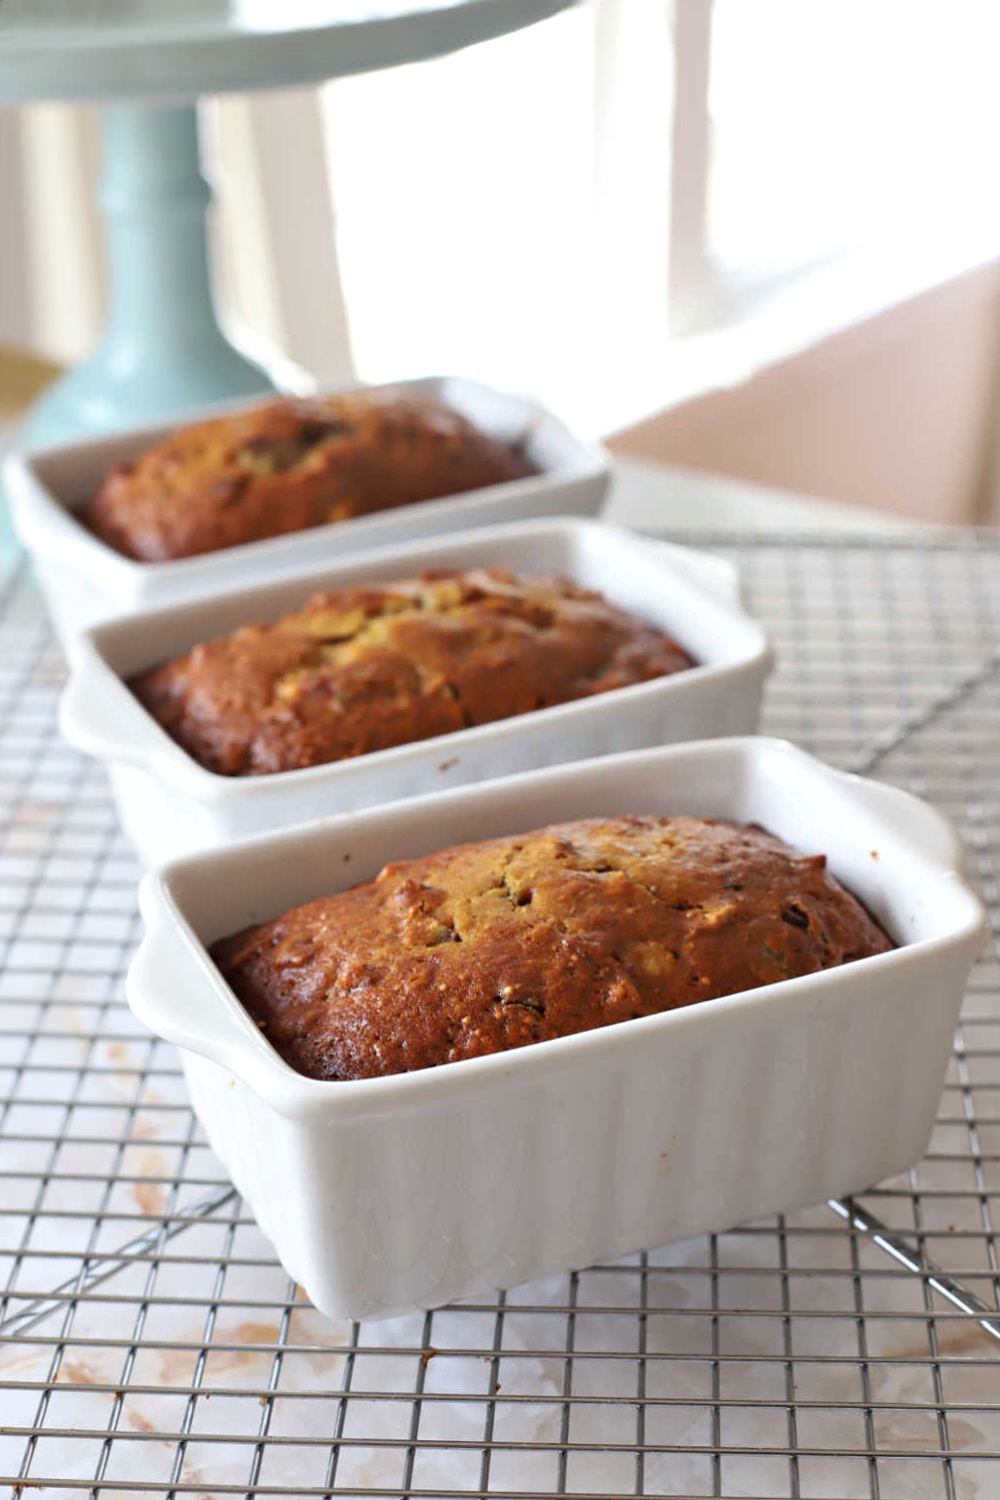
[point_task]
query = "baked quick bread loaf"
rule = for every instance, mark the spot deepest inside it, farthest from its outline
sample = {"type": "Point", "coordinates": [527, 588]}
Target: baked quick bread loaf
{"type": "Point", "coordinates": [291, 464]}
{"type": "Point", "coordinates": [367, 668]}
{"type": "Point", "coordinates": [489, 946]}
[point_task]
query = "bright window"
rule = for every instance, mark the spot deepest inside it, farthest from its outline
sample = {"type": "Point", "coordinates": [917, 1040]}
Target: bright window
{"type": "Point", "coordinates": [839, 123]}
{"type": "Point", "coordinates": [464, 192]}
{"type": "Point", "coordinates": [545, 211]}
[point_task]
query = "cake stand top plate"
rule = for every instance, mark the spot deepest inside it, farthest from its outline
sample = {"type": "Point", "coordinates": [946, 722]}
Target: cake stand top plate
{"type": "Point", "coordinates": [154, 52]}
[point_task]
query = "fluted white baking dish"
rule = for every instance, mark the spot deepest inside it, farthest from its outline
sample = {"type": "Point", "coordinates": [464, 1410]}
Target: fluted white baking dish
{"type": "Point", "coordinates": [390, 1193]}
{"type": "Point", "coordinates": [169, 804]}
{"type": "Point", "coordinates": [84, 580]}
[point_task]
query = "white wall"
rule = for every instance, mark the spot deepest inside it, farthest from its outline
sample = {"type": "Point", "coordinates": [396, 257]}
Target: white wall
{"type": "Point", "coordinates": [899, 412]}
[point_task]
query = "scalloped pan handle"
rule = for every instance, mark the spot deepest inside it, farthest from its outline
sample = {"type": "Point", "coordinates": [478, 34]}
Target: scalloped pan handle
{"type": "Point", "coordinates": [915, 821]}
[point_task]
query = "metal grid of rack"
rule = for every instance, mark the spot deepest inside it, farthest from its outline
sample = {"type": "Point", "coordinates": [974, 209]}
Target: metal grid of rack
{"type": "Point", "coordinates": [151, 1344]}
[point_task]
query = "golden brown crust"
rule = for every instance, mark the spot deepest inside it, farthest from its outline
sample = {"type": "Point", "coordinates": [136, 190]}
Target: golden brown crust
{"type": "Point", "coordinates": [490, 946]}
{"type": "Point", "coordinates": [289, 465]}
{"type": "Point", "coordinates": [367, 668]}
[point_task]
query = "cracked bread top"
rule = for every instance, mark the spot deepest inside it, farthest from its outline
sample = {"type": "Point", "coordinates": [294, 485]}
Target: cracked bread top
{"type": "Point", "coordinates": [363, 669]}
{"type": "Point", "coordinates": [490, 946]}
{"type": "Point", "coordinates": [291, 464]}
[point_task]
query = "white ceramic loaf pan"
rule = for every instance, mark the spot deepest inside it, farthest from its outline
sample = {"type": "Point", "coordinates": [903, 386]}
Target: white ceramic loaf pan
{"type": "Point", "coordinates": [84, 580]}
{"type": "Point", "coordinates": [405, 1191]}
{"type": "Point", "coordinates": [170, 805]}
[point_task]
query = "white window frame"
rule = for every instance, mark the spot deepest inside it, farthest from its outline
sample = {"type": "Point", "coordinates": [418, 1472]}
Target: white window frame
{"type": "Point", "coordinates": [701, 294]}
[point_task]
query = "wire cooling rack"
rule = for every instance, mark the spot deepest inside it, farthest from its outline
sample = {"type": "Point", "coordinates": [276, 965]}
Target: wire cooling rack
{"type": "Point", "coordinates": [150, 1343]}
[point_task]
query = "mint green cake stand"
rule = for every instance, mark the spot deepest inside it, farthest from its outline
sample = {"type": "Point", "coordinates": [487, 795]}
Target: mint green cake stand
{"type": "Point", "coordinates": [149, 60]}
